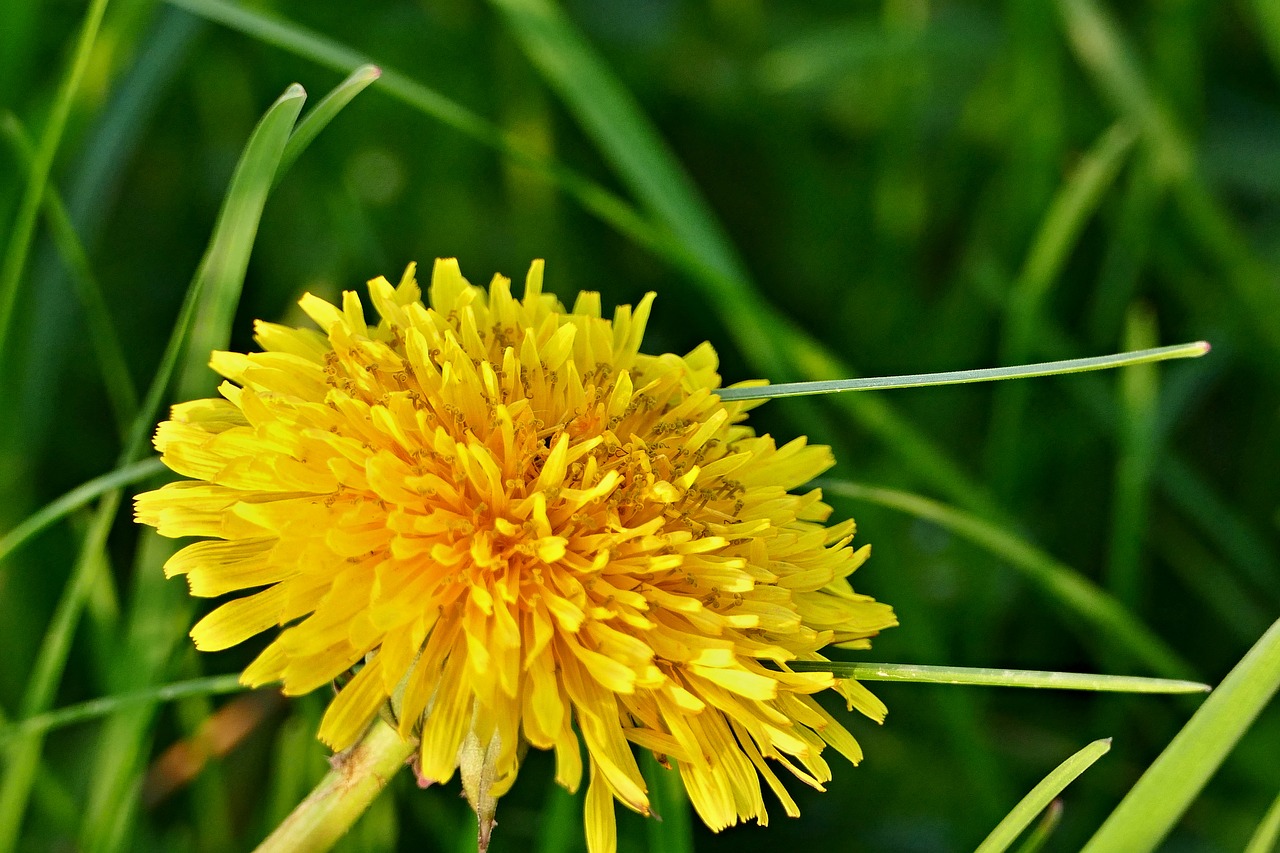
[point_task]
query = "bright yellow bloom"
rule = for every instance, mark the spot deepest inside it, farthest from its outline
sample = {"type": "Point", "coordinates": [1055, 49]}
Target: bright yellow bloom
{"type": "Point", "coordinates": [517, 525]}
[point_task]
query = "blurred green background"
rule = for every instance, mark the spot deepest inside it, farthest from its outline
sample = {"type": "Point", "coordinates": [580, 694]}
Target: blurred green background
{"type": "Point", "coordinates": [904, 186]}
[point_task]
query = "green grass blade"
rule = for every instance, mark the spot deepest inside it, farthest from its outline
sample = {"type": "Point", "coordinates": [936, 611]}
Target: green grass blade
{"type": "Point", "coordinates": [318, 118]}
{"type": "Point", "coordinates": [1267, 835]}
{"type": "Point", "coordinates": [108, 352]}
{"type": "Point", "coordinates": [1041, 796]}
{"type": "Point", "coordinates": [670, 829]}
{"type": "Point", "coordinates": [24, 226]}
{"type": "Point", "coordinates": [96, 709]}
{"type": "Point", "coordinates": [73, 500]}
{"type": "Point", "coordinates": [1151, 808]}
{"type": "Point", "coordinates": [213, 289]}
{"type": "Point", "coordinates": [997, 677]}
{"type": "Point", "coordinates": [962, 377]}
{"type": "Point", "coordinates": [1101, 613]}
{"type": "Point", "coordinates": [227, 259]}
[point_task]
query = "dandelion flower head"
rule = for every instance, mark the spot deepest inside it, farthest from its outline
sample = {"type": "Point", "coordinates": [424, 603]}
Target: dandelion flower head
{"type": "Point", "coordinates": [521, 530]}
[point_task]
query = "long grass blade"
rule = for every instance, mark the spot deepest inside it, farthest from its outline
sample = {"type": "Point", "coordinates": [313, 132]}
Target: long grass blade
{"type": "Point", "coordinates": [1151, 808]}
{"type": "Point", "coordinates": [73, 500]}
{"type": "Point", "coordinates": [1041, 796]}
{"type": "Point", "coordinates": [1267, 836]}
{"type": "Point", "coordinates": [1039, 836]}
{"type": "Point", "coordinates": [24, 226]}
{"type": "Point", "coordinates": [108, 352]}
{"type": "Point", "coordinates": [962, 377]}
{"type": "Point", "coordinates": [96, 709]}
{"type": "Point", "coordinates": [997, 677]}
{"type": "Point", "coordinates": [251, 181]}
{"type": "Point", "coordinates": [1101, 614]}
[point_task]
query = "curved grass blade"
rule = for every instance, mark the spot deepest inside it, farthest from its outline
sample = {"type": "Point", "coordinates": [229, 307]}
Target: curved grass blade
{"type": "Point", "coordinates": [1267, 835]}
{"type": "Point", "coordinates": [71, 501]}
{"type": "Point", "coordinates": [1041, 797]}
{"type": "Point", "coordinates": [1102, 613]}
{"type": "Point", "coordinates": [980, 676]}
{"type": "Point", "coordinates": [962, 377]}
{"type": "Point", "coordinates": [96, 709]}
{"type": "Point", "coordinates": [24, 225]}
{"type": "Point", "coordinates": [211, 289]}
{"type": "Point", "coordinates": [1151, 808]}
{"type": "Point", "coordinates": [318, 118]}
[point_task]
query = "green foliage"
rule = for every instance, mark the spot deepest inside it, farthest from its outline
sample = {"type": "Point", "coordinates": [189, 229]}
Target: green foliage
{"type": "Point", "coordinates": [824, 192]}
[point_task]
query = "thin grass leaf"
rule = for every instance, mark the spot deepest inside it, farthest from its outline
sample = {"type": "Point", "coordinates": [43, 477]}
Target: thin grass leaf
{"type": "Point", "coordinates": [318, 118]}
{"type": "Point", "coordinates": [560, 822]}
{"type": "Point", "coordinates": [670, 830]}
{"type": "Point", "coordinates": [73, 500]}
{"type": "Point", "coordinates": [962, 377]}
{"type": "Point", "coordinates": [1041, 796]}
{"type": "Point", "coordinates": [1151, 808]}
{"type": "Point", "coordinates": [24, 226]}
{"type": "Point", "coordinates": [1099, 612]}
{"type": "Point", "coordinates": [1268, 15]}
{"type": "Point", "coordinates": [1267, 836]}
{"type": "Point", "coordinates": [96, 709]}
{"type": "Point", "coordinates": [108, 352]}
{"type": "Point", "coordinates": [997, 677]}
{"type": "Point", "coordinates": [252, 179]}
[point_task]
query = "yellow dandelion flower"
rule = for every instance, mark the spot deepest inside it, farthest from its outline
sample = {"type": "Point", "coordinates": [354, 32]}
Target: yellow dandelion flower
{"type": "Point", "coordinates": [521, 530]}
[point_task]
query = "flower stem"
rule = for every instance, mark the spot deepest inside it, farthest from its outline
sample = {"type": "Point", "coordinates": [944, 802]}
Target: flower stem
{"type": "Point", "coordinates": [357, 777]}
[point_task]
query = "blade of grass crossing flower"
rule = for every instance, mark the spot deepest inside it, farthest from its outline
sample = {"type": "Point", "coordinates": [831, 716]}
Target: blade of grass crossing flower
{"type": "Point", "coordinates": [962, 377]}
{"type": "Point", "coordinates": [1041, 796]}
{"type": "Point", "coordinates": [1098, 611]}
{"type": "Point", "coordinates": [1072, 207]}
{"type": "Point", "coordinates": [24, 225]}
{"type": "Point", "coordinates": [1267, 836]}
{"type": "Point", "coordinates": [96, 709]}
{"type": "Point", "coordinates": [1153, 806]}
{"type": "Point", "coordinates": [318, 118]}
{"type": "Point", "coordinates": [998, 677]}
{"type": "Point", "coordinates": [1038, 836]}
{"type": "Point", "coordinates": [75, 499]}
{"type": "Point", "coordinates": [108, 353]}
{"type": "Point", "coordinates": [257, 167]}
{"type": "Point", "coordinates": [670, 830]}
